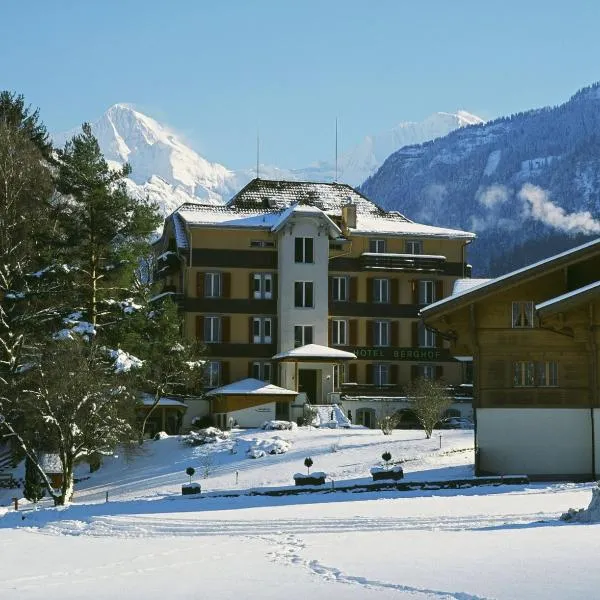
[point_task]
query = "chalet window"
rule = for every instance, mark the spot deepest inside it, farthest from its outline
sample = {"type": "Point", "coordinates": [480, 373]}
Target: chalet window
{"type": "Point", "coordinates": [340, 289]}
{"type": "Point", "coordinates": [426, 292]}
{"type": "Point", "coordinates": [262, 286]}
{"type": "Point", "coordinates": [538, 374]}
{"type": "Point", "coordinates": [381, 374]}
{"type": "Point", "coordinates": [413, 247]}
{"type": "Point", "coordinates": [523, 373]}
{"type": "Point", "coordinates": [212, 373]}
{"type": "Point", "coordinates": [303, 250]}
{"type": "Point", "coordinates": [212, 285]}
{"type": "Point", "coordinates": [426, 371]}
{"type": "Point", "coordinates": [522, 314]}
{"type": "Point", "coordinates": [381, 333]}
{"type": "Point", "coordinates": [262, 244]}
{"type": "Point", "coordinates": [261, 330]}
{"type": "Point", "coordinates": [427, 338]}
{"type": "Point", "coordinates": [212, 330]}
{"type": "Point", "coordinates": [262, 371]}
{"type": "Point", "coordinates": [381, 291]}
{"type": "Point", "coordinates": [377, 246]}
{"type": "Point", "coordinates": [303, 294]}
{"type": "Point", "coordinates": [303, 334]}
{"type": "Point", "coordinates": [339, 333]}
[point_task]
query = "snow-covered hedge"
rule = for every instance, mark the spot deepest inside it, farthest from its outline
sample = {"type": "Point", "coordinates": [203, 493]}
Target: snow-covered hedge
{"type": "Point", "coordinates": [278, 425]}
{"type": "Point", "coordinates": [210, 435]}
{"type": "Point", "coordinates": [395, 469]}
{"type": "Point", "coordinates": [275, 445]}
{"type": "Point", "coordinates": [315, 475]}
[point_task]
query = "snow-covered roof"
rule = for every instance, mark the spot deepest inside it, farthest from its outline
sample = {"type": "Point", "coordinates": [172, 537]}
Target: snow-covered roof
{"type": "Point", "coordinates": [251, 386]}
{"type": "Point", "coordinates": [148, 400]}
{"type": "Point", "coordinates": [198, 214]}
{"type": "Point", "coordinates": [179, 229]}
{"type": "Point", "coordinates": [398, 225]}
{"type": "Point", "coordinates": [558, 259]}
{"type": "Point", "coordinates": [305, 210]}
{"type": "Point", "coordinates": [462, 285]}
{"type": "Point", "coordinates": [586, 290]}
{"type": "Point", "coordinates": [315, 351]}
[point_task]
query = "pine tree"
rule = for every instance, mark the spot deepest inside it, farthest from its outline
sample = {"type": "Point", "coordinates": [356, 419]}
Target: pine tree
{"type": "Point", "coordinates": [104, 229]}
{"type": "Point", "coordinates": [35, 487]}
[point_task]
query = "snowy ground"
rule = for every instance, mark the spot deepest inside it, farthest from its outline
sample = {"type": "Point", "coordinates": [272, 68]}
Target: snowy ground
{"type": "Point", "coordinates": [149, 542]}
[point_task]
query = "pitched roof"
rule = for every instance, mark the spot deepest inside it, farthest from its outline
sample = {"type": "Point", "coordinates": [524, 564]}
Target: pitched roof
{"type": "Point", "coordinates": [569, 299]}
{"type": "Point", "coordinates": [251, 386]}
{"type": "Point", "coordinates": [551, 263]}
{"type": "Point", "coordinates": [314, 352]}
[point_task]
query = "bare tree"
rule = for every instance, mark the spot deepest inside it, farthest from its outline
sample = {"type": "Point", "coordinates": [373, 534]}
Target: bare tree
{"type": "Point", "coordinates": [388, 423]}
{"type": "Point", "coordinates": [430, 399]}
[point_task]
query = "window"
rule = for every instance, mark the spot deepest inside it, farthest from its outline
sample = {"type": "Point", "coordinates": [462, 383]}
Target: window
{"type": "Point", "coordinates": [340, 289]}
{"type": "Point", "coordinates": [303, 294]}
{"type": "Point", "coordinates": [426, 371]}
{"type": "Point", "coordinates": [261, 244]}
{"type": "Point", "coordinates": [212, 373]}
{"type": "Point", "coordinates": [523, 373]}
{"type": "Point", "coordinates": [427, 338]}
{"type": "Point", "coordinates": [381, 290]}
{"type": "Point", "coordinates": [303, 334]}
{"type": "Point", "coordinates": [381, 333]}
{"type": "Point", "coordinates": [212, 330]}
{"type": "Point", "coordinates": [261, 330]}
{"type": "Point", "coordinates": [262, 286]}
{"type": "Point", "coordinates": [426, 292]}
{"type": "Point", "coordinates": [413, 247]}
{"type": "Point", "coordinates": [212, 285]}
{"type": "Point", "coordinates": [522, 314]}
{"type": "Point", "coordinates": [339, 332]}
{"type": "Point", "coordinates": [262, 371]}
{"type": "Point", "coordinates": [339, 376]}
{"type": "Point", "coordinates": [535, 374]}
{"type": "Point", "coordinates": [304, 250]}
{"type": "Point", "coordinates": [377, 246]}
{"type": "Point", "coordinates": [381, 374]}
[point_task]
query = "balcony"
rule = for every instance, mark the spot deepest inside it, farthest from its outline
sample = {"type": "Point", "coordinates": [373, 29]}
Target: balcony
{"type": "Point", "coordinates": [384, 261]}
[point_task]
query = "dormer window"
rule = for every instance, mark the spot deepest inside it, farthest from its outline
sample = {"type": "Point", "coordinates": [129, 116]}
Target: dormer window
{"type": "Point", "coordinates": [377, 246]}
{"type": "Point", "coordinates": [304, 250]}
{"type": "Point", "coordinates": [522, 314]}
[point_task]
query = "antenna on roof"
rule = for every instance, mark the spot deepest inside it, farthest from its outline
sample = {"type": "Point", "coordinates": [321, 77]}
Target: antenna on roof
{"type": "Point", "coordinates": [257, 152]}
{"type": "Point", "coordinates": [336, 151]}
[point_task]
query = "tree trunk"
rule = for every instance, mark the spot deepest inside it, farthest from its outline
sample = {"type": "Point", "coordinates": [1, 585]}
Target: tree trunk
{"type": "Point", "coordinates": [157, 397]}
{"type": "Point", "coordinates": [67, 486]}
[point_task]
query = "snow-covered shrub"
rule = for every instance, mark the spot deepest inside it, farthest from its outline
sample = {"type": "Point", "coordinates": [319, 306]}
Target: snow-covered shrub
{"type": "Point", "coordinates": [161, 435]}
{"type": "Point", "coordinates": [278, 425]}
{"type": "Point", "coordinates": [275, 445]}
{"type": "Point", "coordinates": [210, 435]}
{"type": "Point", "coordinates": [591, 514]}
{"type": "Point", "coordinates": [255, 452]}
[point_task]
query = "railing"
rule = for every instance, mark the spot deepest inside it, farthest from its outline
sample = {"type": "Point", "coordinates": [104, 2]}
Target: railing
{"type": "Point", "coordinates": [402, 262]}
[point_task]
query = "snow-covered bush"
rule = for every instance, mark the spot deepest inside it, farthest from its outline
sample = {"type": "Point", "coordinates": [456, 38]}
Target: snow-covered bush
{"type": "Point", "coordinates": [278, 425]}
{"type": "Point", "coordinates": [161, 435]}
{"type": "Point", "coordinates": [275, 445]}
{"type": "Point", "coordinates": [591, 514]}
{"type": "Point", "coordinates": [210, 435]}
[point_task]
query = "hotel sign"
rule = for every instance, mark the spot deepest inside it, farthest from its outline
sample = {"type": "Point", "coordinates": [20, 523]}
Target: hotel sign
{"type": "Point", "coordinates": [403, 354]}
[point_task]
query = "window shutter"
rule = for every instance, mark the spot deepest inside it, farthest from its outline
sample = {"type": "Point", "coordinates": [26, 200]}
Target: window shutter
{"type": "Point", "coordinates": [274, 330]}
{"type": "Point", "coordinates": [395, 290]}
{"type": "Point", "coordinates": [395, 333]}
{"type": "Point", "coordinates": [330, 289]}
{"type": "Point", "coordinates": [370, 334]}
{"type": "Point", "coordinates": [226, 329]}
{"type": "Point", "coordinates": [369, 374]}
{"type": "Point", "coordinates": [370, 284]}
{"type": "Point", "coordinates": [200, 328]}
{"type": "Point", "coordinates": [199, 284]}
{"type": "Point", "coordinates": [439, 340]}
{"type": "Point", "coordinates": [353, 285]}
{"type": "Point", "coordinates": [415, 334]}
{"type": "Point", "coordinates": [415, 291]}
{"type": "Point", "coordinates": [393, 374]}
{"type": "Point", "coordinates": [250, 330]}
{"type": "Point", "coordinates": [204, 283]}
{"type": "Point", "coordinates": [224, 373]}
{"type": "Point", "coordinates": [275, 288]}
{"type": "Point", "coordinates": [439, 290]}
{"type": "Point", "coordinates": [251, 369]}
{"type": "Point", "coordinates": [226, 285]}
{"type": "Point", "coordinates": [251, 286]}
{"type": "Point", "coordinates": [414, 372]}
{"type": "Point", "coordinates": [352, 372]}
{"type": "Point", "coordinates": [439, 372]}
{"type": "Point", "coordinates": [330, 323]}
{"type": "Point", "coordinates": [353, 333]}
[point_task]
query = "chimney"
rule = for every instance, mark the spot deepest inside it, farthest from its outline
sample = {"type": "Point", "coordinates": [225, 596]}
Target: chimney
{"type": "Point", "coordinates": [349, 215]}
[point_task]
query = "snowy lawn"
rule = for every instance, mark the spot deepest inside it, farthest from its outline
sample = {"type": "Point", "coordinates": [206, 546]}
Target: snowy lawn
{"type": "Point", "coordinates": [149, 542]}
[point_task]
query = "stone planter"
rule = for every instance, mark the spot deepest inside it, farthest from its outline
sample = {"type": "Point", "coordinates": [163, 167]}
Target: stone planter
{"type": "Point", "coordinates": [189, 489]}
{"type": "Point", "coordinates": [317, 478]}
{"type": "Point", "coordinates": [381, 474]}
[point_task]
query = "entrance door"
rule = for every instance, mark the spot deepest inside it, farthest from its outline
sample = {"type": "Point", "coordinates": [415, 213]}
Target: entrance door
{"type": "Point", "coordinates": [307, 383]}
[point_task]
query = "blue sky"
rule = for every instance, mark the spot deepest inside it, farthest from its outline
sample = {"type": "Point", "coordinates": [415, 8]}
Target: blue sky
{"type": "Point", "coordinates": [218, 71]}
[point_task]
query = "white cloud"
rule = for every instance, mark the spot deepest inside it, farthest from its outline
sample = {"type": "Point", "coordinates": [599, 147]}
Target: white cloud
{"type": "Point", "coordinates": [538, 206]}
{"type": "Point", "coordinates": [493, 195]}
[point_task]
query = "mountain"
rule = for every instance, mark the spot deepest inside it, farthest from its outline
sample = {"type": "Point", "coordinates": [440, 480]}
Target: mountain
{"type": "Point", "coordinates": [170, 172]}
{"type": "Point", "coordinates": [363, 160]}
{"type": "Point", "coordinates": [533, 176]}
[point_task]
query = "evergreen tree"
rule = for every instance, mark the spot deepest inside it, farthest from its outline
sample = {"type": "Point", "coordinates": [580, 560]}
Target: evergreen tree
{"type": "Point", "coordinates": [104, 229]}
{"type": "Point", "coordinates": [35, 487]}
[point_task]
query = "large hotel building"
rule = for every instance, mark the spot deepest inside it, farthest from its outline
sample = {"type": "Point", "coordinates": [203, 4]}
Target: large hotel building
{"type": "Point", "coordinates": [315, 289]}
